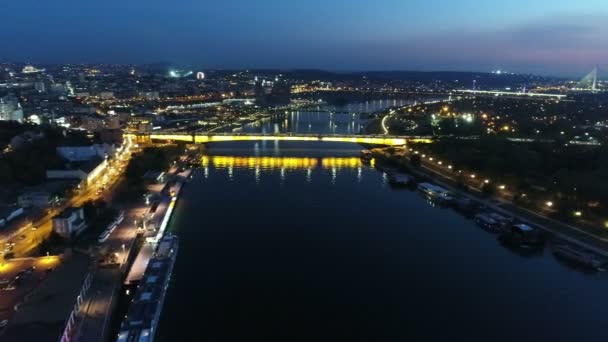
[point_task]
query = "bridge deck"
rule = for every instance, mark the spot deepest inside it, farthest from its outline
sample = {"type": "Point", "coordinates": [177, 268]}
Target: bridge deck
{"type": "Point", "coordinates": [222, 137]}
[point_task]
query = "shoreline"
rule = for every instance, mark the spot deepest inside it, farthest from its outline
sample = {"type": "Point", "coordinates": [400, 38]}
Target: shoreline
{"type": "Point", "coordinates": [561, 230]}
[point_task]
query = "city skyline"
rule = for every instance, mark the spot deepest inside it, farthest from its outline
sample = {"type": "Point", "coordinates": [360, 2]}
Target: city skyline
{"type": "Point", "coordinates": [319, 170]}
{"type": "Point", "coordinates": [562, 40]}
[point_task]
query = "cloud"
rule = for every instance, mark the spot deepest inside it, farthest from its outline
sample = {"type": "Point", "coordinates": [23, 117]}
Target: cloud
{"type": "Point", "coordinates": [559, 45]}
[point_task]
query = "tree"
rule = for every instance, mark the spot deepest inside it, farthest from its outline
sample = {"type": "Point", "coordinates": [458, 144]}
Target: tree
{"type": "Point", "coordinates": [415, 160]}
{"type": "Point", "coordinates": [488, 190]}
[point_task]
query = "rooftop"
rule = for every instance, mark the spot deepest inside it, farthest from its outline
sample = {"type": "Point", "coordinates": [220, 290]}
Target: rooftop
{"type": "Point", "coordinates": [51, 187]}
{"type": "Point", "coordinates": [67, 212]}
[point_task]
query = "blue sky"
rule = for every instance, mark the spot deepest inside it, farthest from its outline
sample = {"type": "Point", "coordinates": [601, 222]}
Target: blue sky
{"type": "Point", "coordinates": [550, 37]}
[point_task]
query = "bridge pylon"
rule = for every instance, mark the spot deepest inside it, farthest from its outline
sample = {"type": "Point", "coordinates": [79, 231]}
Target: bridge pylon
{"type": "Point", "coordinates": [590, 81]}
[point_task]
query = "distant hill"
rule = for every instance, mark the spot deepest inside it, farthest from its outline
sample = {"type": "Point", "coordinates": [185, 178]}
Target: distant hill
{"type": "Point", "coordinates": [483, 79]}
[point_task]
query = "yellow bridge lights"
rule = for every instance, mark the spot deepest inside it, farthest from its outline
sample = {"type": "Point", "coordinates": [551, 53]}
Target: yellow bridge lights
{"type": "Point", "coordinates": [209, 138]}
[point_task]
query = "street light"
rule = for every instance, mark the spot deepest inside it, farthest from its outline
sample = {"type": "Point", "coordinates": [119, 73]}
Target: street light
{"type": "Point", "coordinates": [549, 204]}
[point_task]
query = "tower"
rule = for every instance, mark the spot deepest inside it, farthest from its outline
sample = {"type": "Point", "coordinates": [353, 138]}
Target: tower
{"type": "Point", "coordinates": [260, 93]}
{"type": "Point", "coordinates": [594, 72]}
{"type": "Point", "coordinates": [590, 81]}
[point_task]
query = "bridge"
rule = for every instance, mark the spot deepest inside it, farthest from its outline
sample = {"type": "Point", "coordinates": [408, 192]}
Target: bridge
{"type": "Point", "coordinates": [203, 138]}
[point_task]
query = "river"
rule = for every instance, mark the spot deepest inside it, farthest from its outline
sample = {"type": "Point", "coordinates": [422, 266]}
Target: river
{"type": "Point", "coordinates": [298, 241]}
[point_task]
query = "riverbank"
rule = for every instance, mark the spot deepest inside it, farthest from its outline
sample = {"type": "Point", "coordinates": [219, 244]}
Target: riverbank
{"type": "Point", "coordinates": [561, 230]}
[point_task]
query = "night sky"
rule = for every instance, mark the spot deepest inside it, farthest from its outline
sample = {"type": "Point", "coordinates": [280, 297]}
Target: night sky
{"type": "Point", "coordinates": [559, 37]}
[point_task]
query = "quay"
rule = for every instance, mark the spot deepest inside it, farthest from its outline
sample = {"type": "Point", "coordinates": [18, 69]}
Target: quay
{"type": "Point", "coordinates": [94, 317]}
{"type": "Point", "coordinates": [152, 238]}
{"type": "Point", "coordinates": [560, 230]}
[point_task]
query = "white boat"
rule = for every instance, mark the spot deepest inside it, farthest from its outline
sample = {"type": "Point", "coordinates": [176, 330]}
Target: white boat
{"type": "Point", "coordinates": [435, 192]}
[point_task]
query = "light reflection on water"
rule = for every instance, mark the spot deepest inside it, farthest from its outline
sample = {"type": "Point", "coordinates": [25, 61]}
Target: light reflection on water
{"type": "Point", "coordinates": [284, 166]}
{"type": "Point", "coordinates": [284, 163]}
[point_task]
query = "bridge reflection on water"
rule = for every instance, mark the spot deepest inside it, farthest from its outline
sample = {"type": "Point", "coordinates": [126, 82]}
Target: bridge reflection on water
{"type": "Point", "coordinates": [283, 164]}
{"type": "Point", "coordinates": [289, 163]}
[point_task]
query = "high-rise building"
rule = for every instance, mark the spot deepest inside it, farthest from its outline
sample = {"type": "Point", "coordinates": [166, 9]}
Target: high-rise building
{"type": "Point", "coordinates": [261, 97]}
{"type": "Point", "coordinates": [277, 93]}
{"type": "Point", "coordinates": [40, 87]}
{"type": "Point", "coordinates": [10, 109]}
{"type": "Point", "coordinates": [281, 93]}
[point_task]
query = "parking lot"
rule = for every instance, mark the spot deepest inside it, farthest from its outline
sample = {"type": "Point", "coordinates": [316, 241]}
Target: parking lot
{"type": "Point", "coordinates": [19, 277]}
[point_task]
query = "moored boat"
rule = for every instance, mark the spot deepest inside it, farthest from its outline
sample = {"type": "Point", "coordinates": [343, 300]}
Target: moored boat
{"type": "Point", "coordinates": [435, 192]}
{"type": "Point", "coordinates": [522, 236]}
{"type": "Point", "coordinates": [399, 179]}
{"type": "Point", "coordinates": [486, 221]}
{"type": "Point", "coordinates": [366, 155]}
{"type": "Point", "coordinates": [579, 256]}
{"type": "Point", "coordinates": [141, 321]}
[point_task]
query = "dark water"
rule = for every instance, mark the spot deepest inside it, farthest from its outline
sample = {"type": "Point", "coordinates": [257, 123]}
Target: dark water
{"type": "Point", "coordinates": [369, 106]}
{"type": "Point", "coordinates": [348, 119]}
{"type": "Point", "coordinates": [300, 242]}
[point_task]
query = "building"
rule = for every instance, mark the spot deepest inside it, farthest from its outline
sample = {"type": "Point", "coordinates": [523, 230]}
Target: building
{"type": "Point", "coordinates": [111, 136]}
{"type": "Point", "coordinates": [274, 94]}
{"type": "Point", "coordinates": [86, 153]}
{"type": "Point", "coordinates": [46, 194]}
{"type": "Point", "coordinates": [58, 88]}
{"type": "Point", "coordinates": [9, 213]}
{"type": "Point", "coordinates": [40, 87]}
{"type": "Point", "coordinates": [69, 222]}
{"type": "Point", "coordinates": [87, 172]}
{"type": "Point", "coordinates": [90, 123]}
{"type": "Point", "coordinates": [40, 199]}
{"type": "Point", "coordinates": [29, 69]}
{"type": "Point", "coordinates": [26, 137]}
{"type": "Point", "coordinates": [281, 93]}
{"type": "Point", "coordinates": [150, 95]}
{"type": "Point", "coordinates": [261, 96]}
{"type": "Point", "coordinates": [84, 109]}
{"type": "Point", "coordinates": [112, 122]}
{"type": "Point", "coordinates": [10, 109]}
{"type": "Point", "coordinates": [106, 95]}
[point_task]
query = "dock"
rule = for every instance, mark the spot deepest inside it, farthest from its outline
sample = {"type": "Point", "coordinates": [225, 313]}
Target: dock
{"type": "Point", "coordinates": [162, 216]}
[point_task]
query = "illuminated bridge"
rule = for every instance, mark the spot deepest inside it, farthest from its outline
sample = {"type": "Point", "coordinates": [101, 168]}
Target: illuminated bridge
{"type": "Point", "coordinates": [202, 138]}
